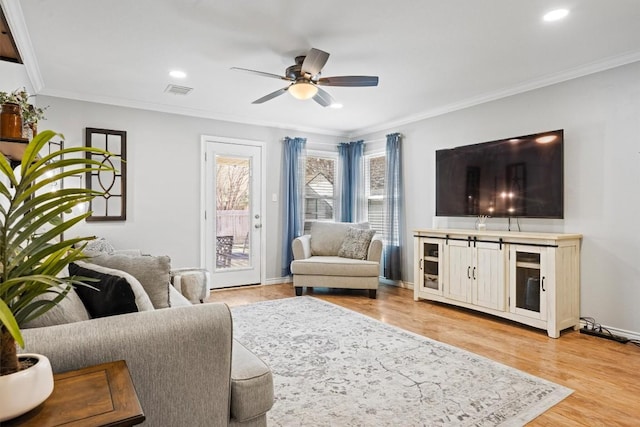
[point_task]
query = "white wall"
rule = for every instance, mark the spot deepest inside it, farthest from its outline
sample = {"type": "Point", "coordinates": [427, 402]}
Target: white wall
{"type": "Point", "coordinates": [14, 76]}
{"type": "Point", "coordinates": [163, 188]}
{"type": "Point", "coordinates": [600, 114]}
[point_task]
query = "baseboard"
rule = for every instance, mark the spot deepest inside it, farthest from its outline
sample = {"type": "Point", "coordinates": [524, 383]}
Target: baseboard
{"type": "Point", "coordinates": [278, 280]}
{"type": "Point", "coordinates": [398, 283]}
{"type": "Point", "coordinates": [615, 331]}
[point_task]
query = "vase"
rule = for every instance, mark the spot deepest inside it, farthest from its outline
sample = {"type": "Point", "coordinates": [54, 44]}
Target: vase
{"type": "Point", "coordinates": [22, 391]}
{"type": "Point", "coordinates": [11, 121]}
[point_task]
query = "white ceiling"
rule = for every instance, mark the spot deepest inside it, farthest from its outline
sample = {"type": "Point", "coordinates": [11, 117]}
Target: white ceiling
{"type": "Point", "coordinates": [432, 56]}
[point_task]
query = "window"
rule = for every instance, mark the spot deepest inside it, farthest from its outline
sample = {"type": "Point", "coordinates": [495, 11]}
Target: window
{"type": "Point", "coordinates": [319, 189]}
{"type": "Point", "coordinates": [374, 169]}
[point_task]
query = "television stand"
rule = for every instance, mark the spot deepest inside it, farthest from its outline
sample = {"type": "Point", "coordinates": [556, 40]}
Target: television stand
{"type": "Point", "coordinates": [530, 278]}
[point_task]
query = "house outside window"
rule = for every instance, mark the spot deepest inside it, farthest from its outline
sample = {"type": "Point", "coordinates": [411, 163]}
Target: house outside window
{"type": "Point", "coordinates": [319, 189]}
{"type": "Point", "coordinates": [374, 168]}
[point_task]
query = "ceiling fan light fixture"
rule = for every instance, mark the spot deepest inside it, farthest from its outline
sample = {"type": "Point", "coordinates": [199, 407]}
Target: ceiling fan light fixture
{"type": "Point", "coordinates": [303, 90]}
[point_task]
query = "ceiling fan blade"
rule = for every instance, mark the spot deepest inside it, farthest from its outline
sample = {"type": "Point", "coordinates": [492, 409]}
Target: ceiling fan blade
{"type": "Point", "coordinates": [358, 81]}
{"type": "Point", "coordinates": [314, 61]}
{"type": "Point", "coordinates": [323, 98]}
{"type": "Point", "coordinates": [261, 73]}
{"type": "Point", "coordinates": [271, 95]}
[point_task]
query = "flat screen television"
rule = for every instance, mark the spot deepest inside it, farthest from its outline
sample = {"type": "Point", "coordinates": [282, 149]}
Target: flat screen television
{"type": "Point", "coordinates": [513, 177]}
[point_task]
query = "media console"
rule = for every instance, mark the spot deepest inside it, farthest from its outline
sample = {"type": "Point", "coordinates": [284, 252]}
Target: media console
{"type": "Point", "coordinates": [530, 278]}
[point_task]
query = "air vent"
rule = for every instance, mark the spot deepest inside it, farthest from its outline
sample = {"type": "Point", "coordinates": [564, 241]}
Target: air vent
{"type": "Point", "coordinates": [178, 90]}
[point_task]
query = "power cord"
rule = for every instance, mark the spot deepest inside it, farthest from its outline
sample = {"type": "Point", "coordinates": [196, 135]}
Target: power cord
{"type": "Point", "coordinates": [591, 327]}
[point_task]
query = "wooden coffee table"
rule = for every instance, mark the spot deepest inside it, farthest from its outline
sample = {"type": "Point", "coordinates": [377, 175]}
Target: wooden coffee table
{"type": "Point", "coordinates": [101, 395]}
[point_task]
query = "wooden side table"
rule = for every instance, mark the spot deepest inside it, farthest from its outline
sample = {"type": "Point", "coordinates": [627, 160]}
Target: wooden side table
{"type": "Point", "coordinates": [101, 395]}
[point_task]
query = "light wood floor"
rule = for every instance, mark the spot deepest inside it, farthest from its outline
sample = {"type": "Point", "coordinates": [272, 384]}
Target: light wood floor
{"type": "Point", "coordinates": [604, 375]}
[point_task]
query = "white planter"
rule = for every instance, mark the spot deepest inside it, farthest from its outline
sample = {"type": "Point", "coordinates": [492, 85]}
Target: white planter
{"type": "Point", "coordinates": [22, 391]}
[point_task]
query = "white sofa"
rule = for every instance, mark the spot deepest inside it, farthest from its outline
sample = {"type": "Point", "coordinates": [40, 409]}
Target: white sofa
{"type": "Point", "coordinates": [317, 261]}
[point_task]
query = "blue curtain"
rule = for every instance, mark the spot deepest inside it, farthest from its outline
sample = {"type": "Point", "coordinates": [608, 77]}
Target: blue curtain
{"type": "Point", "coordinates": [350, 161]}
{"type": "Point", "coordinates": [292, 197]}
{"type": "Point", "coordinates": [393, 210]}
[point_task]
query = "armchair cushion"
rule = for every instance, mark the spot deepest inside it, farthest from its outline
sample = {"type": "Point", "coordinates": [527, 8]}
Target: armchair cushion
{"type": "Point", "coordinates": [356, 243]}
{"type": "Point", "coordinates": [327, 237]}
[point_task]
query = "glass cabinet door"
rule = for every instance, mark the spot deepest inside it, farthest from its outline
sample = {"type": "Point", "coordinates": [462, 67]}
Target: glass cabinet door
{"type": "Point", "coordinates": [527, 293]}
{"type": "Point", "coordinates": [431, 266]}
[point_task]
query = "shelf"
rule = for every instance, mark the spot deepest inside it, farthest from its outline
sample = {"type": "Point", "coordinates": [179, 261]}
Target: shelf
{"type": "Point", "coordinates": [13, 150]}
{"type": "Point", "coordinates": [431, 258]}
{"type": "Point", "coordinates": [533, 265]}
{"type": "Point", "coordinates": [14, 140]}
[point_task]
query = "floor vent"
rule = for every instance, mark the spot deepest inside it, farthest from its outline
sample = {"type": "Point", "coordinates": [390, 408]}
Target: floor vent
{"type": "Point", "coordinates": [178, 90]}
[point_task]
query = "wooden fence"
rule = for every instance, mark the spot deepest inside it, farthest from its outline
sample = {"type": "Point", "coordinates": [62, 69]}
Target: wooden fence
{"type": "Point", "coordinates": [233, 223]}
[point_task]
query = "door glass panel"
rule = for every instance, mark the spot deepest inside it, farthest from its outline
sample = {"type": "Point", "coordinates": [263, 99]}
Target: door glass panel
{"type": "Point", "coordinates": [233, 211]}
{"type": "Point", "coordinates": [528, 281]}
{"type": "Point", "coordinates": [431, 265]}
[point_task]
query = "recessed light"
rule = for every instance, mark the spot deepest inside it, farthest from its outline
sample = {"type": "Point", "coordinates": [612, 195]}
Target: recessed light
{"type": "Point", "coordinates": [556, 15]}
{"type": "Point", "coordinates": [177, 74]}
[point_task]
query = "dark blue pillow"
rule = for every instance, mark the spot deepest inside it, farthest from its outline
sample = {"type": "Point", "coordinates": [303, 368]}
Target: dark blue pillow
{"type": "Point", "coordinates": [114, 294]}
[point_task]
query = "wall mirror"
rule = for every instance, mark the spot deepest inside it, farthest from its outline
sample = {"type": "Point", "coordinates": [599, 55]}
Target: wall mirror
{"type": "Point", "coordinates": [112, 205]}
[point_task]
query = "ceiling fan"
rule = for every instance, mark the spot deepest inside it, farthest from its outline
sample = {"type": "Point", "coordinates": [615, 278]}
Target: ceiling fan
{"type": "Point", "coordinates": [305, 79]}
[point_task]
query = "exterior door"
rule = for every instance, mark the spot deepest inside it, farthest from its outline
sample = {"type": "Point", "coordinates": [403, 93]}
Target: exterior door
{"type": "Point", "coordinates": [232, 211]}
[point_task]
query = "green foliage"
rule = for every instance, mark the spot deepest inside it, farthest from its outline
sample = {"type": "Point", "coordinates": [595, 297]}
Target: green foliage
{"type": "Point", "coordinates": [32, 251]}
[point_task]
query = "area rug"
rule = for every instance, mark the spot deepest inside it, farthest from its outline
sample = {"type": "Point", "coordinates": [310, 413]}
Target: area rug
{"type": "Point", "coordinates": [336, 367]}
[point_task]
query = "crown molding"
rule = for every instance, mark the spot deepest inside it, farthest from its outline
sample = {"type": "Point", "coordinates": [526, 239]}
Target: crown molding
{"type": "Point", "coordinates": [570, 74]}
{"type": "Point", "coordinates": [190, 112]}
{"type": "Point", "coordinates": [15, 19]}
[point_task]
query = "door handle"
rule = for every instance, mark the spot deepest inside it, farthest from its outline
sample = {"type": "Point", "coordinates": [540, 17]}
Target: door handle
{"type": "Point", "coordinates": [542, 283]}
{"type": "Point", "coordinates": [469, 272]}
{"type": "Point", "coordinates": [474, 273]}
{"type": "Point", "coordinates": [258, 226]}
{"type": "Point", "coordinates": [421, 263]}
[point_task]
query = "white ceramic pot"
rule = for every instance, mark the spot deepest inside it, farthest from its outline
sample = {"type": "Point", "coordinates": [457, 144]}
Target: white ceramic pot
{"type": "Point", "coordinates": [22, 391]}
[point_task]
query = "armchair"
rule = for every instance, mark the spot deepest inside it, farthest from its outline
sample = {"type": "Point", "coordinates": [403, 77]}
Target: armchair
{"type": "Point", "coordinates": [317, 262]}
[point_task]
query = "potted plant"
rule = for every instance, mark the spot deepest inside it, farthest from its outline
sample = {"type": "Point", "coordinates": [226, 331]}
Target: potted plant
{"type": "Point", "coordinates": [18, 101]}
{"type": "Point", "coordinates": [31, 258]}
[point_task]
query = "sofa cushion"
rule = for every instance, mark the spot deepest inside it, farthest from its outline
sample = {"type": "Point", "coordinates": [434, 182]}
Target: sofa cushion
{"type": "Point", "coordinates": [356, 243]}
{"type": "Point", "coordinates": [69, 310]}
{"type": "Point", "coordinates": [327, 237]}
{"type": "Point", "coordinates": [153, 272]}
{"type": "Point", "coordinates": [143, 302]}
{"type": "Point", "coordinates": [335, 266]}
{"type": "Point", "coordinates": [251, 385]}
{"type": "Point", "coordinates": [108, 295]}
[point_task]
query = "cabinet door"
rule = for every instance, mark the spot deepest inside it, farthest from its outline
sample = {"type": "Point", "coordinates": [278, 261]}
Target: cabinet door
{"type": "Point", "coordinates": [429, 277]}
{"type": "Point", "coordinates": [488, 274]}
{"type": "Point", "coordinates": [458, 270]}
{"type": "Point", "coordinates": [527, 287]}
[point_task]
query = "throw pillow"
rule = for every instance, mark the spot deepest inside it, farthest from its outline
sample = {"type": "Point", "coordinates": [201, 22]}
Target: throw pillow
{"type": "Point", "coordinates": [98, 246]}
{"type": "Point", "coordinates": [356, 243]}
{"type": "Point", "coordinates": [153, 272]}
{"type": "Point", "coordinates": [69, 310]}
{"type": "Point", "coordinates": [112, 294]}
{"type": "Point", "coordinates": [142, 299]}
